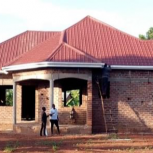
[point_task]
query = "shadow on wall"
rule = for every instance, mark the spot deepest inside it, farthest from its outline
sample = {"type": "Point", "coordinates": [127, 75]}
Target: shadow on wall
{"type": "Point", "coordinates": [131, 100]}
{"type": "Point", "coordinates": [115, 60]}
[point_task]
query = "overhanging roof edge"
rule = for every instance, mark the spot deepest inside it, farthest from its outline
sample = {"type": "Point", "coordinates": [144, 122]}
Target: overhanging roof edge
{"type": "Point", "coordinates": [52, 64]}
{"type": "Point", "coordinates": [70, 65]}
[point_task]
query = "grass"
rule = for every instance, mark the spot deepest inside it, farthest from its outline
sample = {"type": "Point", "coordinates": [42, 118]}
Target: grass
{"type": "Point", "coordinates": [10, 147]}
{"type": "Point", "coordinates": [113, 136]}
{"type": "Point", "coordinates": [55, 145]}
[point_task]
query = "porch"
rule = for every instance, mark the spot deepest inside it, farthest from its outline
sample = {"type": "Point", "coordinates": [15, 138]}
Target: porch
{"type": "Point", "coordinates": [34, 129]}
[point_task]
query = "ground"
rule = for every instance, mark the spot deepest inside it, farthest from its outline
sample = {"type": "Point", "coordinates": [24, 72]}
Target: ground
{"type": "Point", "coordinates": [100, 143]}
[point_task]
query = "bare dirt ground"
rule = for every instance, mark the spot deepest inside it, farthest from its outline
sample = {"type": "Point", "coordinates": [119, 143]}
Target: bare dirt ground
{"type": "Point", "coordinates": [100, 143]}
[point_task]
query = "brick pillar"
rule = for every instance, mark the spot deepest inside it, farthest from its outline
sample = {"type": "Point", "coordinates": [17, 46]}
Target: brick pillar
{"type": "Point", "coordinates": [18, 102]}
{"type": "Point", "coordinates": [89, 103]}
{"type": "Point", "coordinates": [14, 103]}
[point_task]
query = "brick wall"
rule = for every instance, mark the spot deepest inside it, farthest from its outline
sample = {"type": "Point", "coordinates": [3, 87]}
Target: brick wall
{"type": "Point", "coordinates": [131, 103]}
{"type": "Point", "coordinates": [42, 96]}
{"type": "Point", "coordinates": [80, 112]}
{"type": "Point", "coordinates": [6, 114]}
{"type": "Point", "coordinates": [6, 117]}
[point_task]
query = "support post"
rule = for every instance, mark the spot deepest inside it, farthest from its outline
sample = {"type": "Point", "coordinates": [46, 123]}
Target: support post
{"type": "Point", "coordinates": [51, 92]}
{"type": "Point", "coordinates": [14, 102]}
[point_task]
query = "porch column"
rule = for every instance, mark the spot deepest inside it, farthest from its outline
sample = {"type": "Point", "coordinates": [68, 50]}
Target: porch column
{"type": "Point", "coordinates": [51, 92]}
{"type": "Point", "coordinates": [89, 103]}
{"type": "Point", "coordinates": [14, 102]}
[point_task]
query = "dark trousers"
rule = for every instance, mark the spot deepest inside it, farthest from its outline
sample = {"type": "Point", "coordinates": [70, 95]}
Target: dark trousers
{"type": "Point", "coordinates": [52, 125]}
{"type": "Point", "coordinates": [43, 128]}
{"type": "Point", "coordinates": [105, 87]}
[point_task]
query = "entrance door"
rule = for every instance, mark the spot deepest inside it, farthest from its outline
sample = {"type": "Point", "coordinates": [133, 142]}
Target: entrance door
{"type": "Point", "coordinates": [28, 102]}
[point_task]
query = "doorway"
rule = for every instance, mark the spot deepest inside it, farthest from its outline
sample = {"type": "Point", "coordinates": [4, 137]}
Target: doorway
{"type": "Point", "coordinates": [28, 103]}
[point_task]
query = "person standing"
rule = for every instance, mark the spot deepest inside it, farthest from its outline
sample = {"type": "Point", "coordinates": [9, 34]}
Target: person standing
{"type": "Point", "coordinates": [54, 118]}
{"type": "Point", "coordinates": [44, 121]}
{"type": "Point", "coordinates": [105, 82]}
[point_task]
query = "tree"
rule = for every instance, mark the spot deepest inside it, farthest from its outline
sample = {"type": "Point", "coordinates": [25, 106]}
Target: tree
{"type": "Point", "coordinates": [149, 35]}
{"type": "Point", "coordinates": [9, 97]}
{"type": "Point", "coordinates": [74, 99]}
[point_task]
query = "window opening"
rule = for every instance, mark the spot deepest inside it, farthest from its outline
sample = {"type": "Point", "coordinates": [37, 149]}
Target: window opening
{"type": "Point", "coordinates": [72, 97]}
{"type": "Point", "coordinates": [6, 95]}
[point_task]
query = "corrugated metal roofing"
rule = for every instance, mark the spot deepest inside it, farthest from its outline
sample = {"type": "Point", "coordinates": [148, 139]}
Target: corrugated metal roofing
{"type": "Point", "coordinates": [108, 44]}
{"type": "Point", "coordinates": [67, 53]}
{"type": "Point", "coordinates": [89, 40]}
{"type": "Point", "coordinates": [18, 45]}
{"type": "Point", "coordinates": [41, 52]}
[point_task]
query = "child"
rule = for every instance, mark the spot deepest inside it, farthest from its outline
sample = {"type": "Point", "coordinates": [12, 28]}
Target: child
{"type": "Point", "coordinates": [44, 121]}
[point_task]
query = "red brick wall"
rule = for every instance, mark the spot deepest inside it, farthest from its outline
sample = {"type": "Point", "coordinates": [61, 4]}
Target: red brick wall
{"type": "Point", "coordinates": [42, 97]}
{"type": "Point", "coordinates": [131, 103]}
{"type": "Point", "coordinates": [64, 112]}
{"type": "Point", "coordinates": [6, 115]}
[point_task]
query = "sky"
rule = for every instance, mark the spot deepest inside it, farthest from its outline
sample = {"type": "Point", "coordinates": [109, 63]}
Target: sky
{"type": "Point", "coordinates": [17, 16]}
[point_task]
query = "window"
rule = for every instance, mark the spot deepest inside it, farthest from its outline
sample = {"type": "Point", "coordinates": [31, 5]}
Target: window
{"type": "Point", "coordinates": [6, 95]}
{"type": "Point", "coordinates": [72, 97]}
{"type": "Point", "coordinates": [73, 91]}
{"type": "Point", "coordinates": [9, 97]}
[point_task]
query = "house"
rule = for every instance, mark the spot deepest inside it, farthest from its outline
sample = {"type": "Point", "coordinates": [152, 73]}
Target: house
{"type": "Point", "coordinates": [42, 68]}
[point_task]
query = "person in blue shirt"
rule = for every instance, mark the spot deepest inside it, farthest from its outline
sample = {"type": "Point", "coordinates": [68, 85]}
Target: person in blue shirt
{"type": "Point", "coordinates": [54, 118]}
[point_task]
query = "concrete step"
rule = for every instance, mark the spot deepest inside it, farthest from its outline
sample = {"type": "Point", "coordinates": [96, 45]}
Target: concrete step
{"type": "Point", "coordinates": [64, 129]}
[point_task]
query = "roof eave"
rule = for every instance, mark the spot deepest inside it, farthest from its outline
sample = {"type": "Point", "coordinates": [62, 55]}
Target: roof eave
{"type": "Point", "coordinates": [3, 72]}
{"type": "Point", "coordinates": [52, 64]}
{"type": "Point", "coordinates": [69, 65]}
{"type": "Point", "coordinates": [131, 67]}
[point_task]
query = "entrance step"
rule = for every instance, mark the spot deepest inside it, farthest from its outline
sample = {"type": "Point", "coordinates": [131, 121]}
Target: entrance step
{"type": "Point", "coordinates": [34, 129]}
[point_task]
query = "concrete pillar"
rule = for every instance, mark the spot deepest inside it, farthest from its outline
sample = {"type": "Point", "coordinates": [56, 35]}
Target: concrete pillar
{"type": "Point", "coordinates": [51, 92]}
{"type": "Point", "coordinates": [14, 102]}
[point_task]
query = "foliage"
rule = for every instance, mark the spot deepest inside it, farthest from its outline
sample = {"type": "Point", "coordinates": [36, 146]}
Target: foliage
{"type": "Point", "coordinates": [113, 136]}
{"type": "Point", "coordinates": [149, 35]}
{"type": "Point", "coordinates": [54, 147]}
{"type": "Point", "coordinates": [9, 97]}
{"type": "Point", "coordinates": [11, 147]}
{"type": "Point", "coordinates": [74, 98]}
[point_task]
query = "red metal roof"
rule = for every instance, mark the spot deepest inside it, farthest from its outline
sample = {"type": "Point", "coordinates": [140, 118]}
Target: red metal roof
{"type": "Point", "coordinates": [108, 44]}
{"type": "Point", "coordinates": [20, 44]}
{"type": "Point", "coordinates": [67, 53]}
{"type": "Point", "coordinates": [41, 52]}
{"type": "Point", "coordinates": [89, 40]}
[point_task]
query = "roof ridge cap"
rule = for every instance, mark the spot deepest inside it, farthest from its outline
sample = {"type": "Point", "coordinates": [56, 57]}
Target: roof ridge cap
{"type": "Point", "coordinates": [20, 34]}
{"type": "Point", "coordinates": [112, 27]}
{"type": "Point", "coordinates": [54, 51]}
{"type": "Point", "coordinates": [77, 22]}
{"type": "Point", "coordinates": [82, 52]}
{"type": "Point", "coordinates": [74, 49]}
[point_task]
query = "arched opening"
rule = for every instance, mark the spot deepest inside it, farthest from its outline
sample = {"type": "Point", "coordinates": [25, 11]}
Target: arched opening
{"type": "Point", "coordinates": [34, 95]}
{"type": "Point", "coordinates": [71, 93]}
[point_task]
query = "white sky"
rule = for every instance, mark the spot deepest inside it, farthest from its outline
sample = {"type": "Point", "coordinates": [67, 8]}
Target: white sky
{"type": "Point", "coordinates": [16, 16]}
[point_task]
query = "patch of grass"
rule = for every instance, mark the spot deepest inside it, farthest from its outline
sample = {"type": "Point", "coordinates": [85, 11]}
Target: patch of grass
{"type": "Point", "coordinates": [48, 143]}
{"type": "Point", "coordinates": [10, 147]}
{"type": "Point", "coordinates": [148, 148]}
{"type": "Point", "coordinates": [89, 141]}
{"type": "Point", "coordinates": [55, 145]}
{"type": "Point", "coordinates": [113, 136]}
